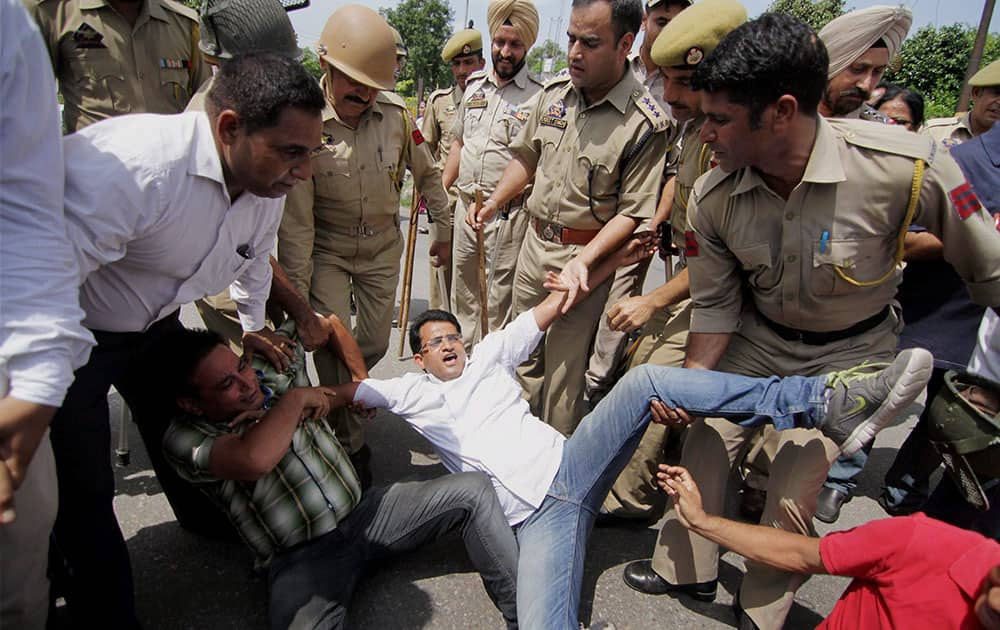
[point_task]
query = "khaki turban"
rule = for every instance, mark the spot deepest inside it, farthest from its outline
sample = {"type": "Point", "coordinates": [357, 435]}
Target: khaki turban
{"type": "Point", "coordinates": [521, 14]}
{"type": "Point", "coordinates": [852, 34]}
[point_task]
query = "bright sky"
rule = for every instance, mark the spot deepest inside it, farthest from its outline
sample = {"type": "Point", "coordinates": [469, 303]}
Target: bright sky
{"type": "Point", "coordinates": [554, 14]}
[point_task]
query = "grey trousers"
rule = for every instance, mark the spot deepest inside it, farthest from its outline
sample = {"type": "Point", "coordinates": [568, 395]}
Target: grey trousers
{"type": "Point", "coordinates": [311, 584]}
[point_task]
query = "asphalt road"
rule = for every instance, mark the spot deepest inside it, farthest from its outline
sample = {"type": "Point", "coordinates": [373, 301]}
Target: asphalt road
{"type": "Point", "coordinates": [184, 581]}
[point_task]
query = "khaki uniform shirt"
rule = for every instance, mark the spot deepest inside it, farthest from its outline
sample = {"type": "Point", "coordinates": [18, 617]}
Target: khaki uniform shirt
{"type": "Point", "coordinates": [949, 131]}
{"type": "Point", "coordinates": [442, 109]}
{"type": "Point", "coordinates": [847, 211]}
{"type": "Point", "coordinates": [691, 159]}
{"type": "Point", "coordinates": [106, 67]}
{"type": "Point", "coordinates": [611, 152]}
{"type": "Point", "coordinates": [652, 80]}
{"type": "Point", "coordinates": [489, 118]}
{"type": "Point", "coordinates": [356, 182]}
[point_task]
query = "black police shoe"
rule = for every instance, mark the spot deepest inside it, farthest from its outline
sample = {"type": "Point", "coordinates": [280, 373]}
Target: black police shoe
{"type": "Point", "coordinates": [641, 576]}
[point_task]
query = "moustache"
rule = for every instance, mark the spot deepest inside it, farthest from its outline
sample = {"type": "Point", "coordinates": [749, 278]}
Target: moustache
{"type": "Point", "coordinates": [856, 93]}
{"type": "Point", "coordinates": [355, 99]}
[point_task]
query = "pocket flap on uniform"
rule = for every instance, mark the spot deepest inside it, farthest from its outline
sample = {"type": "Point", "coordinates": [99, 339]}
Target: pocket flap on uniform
{"type": "Point", "coordinates": [848, 253]}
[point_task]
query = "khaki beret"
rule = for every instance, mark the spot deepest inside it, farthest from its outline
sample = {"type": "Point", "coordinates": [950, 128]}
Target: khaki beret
{"type": "Point", "coordinates": [696, 31]}
{"type": "Point", "coordinates": [990, 75]}
{"type": "Point", "coordinates": [466, 42]}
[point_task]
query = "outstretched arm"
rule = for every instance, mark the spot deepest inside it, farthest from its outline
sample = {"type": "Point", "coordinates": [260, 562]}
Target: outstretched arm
{"type": "Point", "coordinates": [557, 302]}
{"type": "Point", "coordinates": [774, 547]}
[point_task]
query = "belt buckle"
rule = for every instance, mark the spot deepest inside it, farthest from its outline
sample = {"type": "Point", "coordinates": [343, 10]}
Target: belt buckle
{"type": "Point", "coordinates": [548, 233]}
{"type": "Point", "coordinates": [364, 230]}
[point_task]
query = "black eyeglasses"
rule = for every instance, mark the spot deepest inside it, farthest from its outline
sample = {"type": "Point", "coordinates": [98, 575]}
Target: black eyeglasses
{"type": "Point", "coordinates": [435, 342]}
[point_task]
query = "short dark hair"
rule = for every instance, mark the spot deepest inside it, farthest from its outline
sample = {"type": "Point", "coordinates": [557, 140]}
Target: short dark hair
{"type": "Point", "coordinates": [432, 315]}
{"type": "Point", "coordinates": [913, 99]}
{"type": "Point", "coordinates": [179, 353]}
{"type": "Point", "coordinates": [258, 86]}
{"type": "Point", "coordinates": [762, 60]}
{"type": "Point", "coordinates": [626, 15]}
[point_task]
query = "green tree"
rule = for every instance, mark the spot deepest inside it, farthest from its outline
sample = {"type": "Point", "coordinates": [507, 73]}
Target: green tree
{"type": "Point", "coordinates": [425, 26]}
{"type": "Point", "coordinates": [933, 61]}
{"type": "Point", "coordinates": [815, 13]}
{"type": "Point", "coordinates": [546, 50]}
{"type": "Point", "coordinates": [310, 61]}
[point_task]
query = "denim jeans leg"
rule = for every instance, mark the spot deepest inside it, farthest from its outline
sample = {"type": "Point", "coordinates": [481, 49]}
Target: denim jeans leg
{"type": "Point", "coordinates": [553, 540]}
{"type": "Point", "coordinates": [844, 471]}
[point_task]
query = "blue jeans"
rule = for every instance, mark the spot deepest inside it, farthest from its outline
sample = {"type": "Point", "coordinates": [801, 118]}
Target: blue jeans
{"type": "Point", "coordinates": [553, 540]}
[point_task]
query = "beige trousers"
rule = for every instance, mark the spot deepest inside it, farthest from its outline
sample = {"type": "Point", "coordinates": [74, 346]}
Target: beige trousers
{"type": "Point", "coordinates": [553, 377]}
{"type": "Point", "coordinates": [502, 241]}
{"type": "Point", "coordinates": [368, 266]}
{"type": "Point", "coordinates": [800, 465]}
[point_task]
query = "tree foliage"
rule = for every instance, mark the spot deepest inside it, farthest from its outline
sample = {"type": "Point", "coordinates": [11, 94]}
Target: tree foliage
{"type": "Point", "coordinates": [933, 61]}
{"type": "Point", "coordinates": [815, 13]}
{"type": "Point", "coordinates": [425, 26]}
{"type": "Point", "coordinates": [538, 54]}
{"type": "Point", "coordinates": [310, 61]}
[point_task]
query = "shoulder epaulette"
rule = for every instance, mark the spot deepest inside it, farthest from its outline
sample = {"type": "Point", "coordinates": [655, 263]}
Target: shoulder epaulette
{"type": "Point", "coordinates": [436, 94]}
{"type": "Point", "coordinates": [475, 76]}
{"type": "Point", "coordinates": [709, 181]}
{"type": "Point", "coordinates": [942, 122]}
{"type": "Point", "coordinates": [651, 110]}
{"type": "Point", "coordinates": [885, 138]}
{"type": "Point", "coordinates": [390, 98]}
{"type": "Point", "coordinates": [182, 9]}
{"type": "Point", "coordinates": [535, 79]}
{"type": "Point", "coordinates": [556, 81]}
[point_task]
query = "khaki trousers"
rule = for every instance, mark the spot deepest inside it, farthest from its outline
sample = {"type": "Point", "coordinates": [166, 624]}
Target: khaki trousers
{"type": "Point", "coordinates": [553, 377]}
{"type": "Point", "coordinates": [502, 241]}
{"type": "Point", "coordinates": [634, 494]}
{"type": "Point", "coordinates": [368, 266]}
{"type": "Point", "coordinates": [220, 316]}
{"type": "Point", "coordinates": [441, 276]}
{"type": "Point", "coordinates": [609, 345]}
{"type": "Point", "coordinates": [24, 545]}
{"type": "Point", "coordinates": [801, 461]}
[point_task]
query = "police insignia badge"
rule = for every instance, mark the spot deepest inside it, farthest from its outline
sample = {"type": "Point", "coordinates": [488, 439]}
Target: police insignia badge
{"type": "Point", "coordinates": [965, 200]}
{"type": "Point", "coordinates": [690, 244]}
{"type": "Point", "coordinates": [949, 143]}
{"type": "Point", "coordinates": [476, 101]}
{"type": "Point", "coordinates": [651, 106]}
{"type": "Point", "coordinates": [694, 56]}
{"type": "Point", "coordinates": [466, 49]}
{"type": "Point", "coordinates": [87, 37]}
{"type": "Point", "coordinates": [175, 64]}
{"type": "Point", "coordinates": [450, 109]}
{"type": "Point", "coordinates": [555, 115]}
{"type": "Point", "coordinates": [418, 138]}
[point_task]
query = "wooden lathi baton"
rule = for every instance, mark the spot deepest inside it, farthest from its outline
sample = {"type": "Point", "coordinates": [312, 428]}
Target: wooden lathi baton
{"type": "Point", "coordinates": [484, 318]}
{"type": "Point", "coordinates": [411, 247]}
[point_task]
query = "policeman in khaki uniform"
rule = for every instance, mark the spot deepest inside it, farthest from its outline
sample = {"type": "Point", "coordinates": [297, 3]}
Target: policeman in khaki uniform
{"type": "Point", "coordinates": [665, 313]}
{"type": "Point", "coordinates": [492, 112]}
{"type": "Point", "coordinates": [340, 231]}
{"type": "Point", "coordinates": [114, 57]}
{"type": "Point", "coordinates": [595, 144]}
{"type": "Point", "coordinates": [609, 345]}
{"type": "Point", "coordinates": [985, 110]}
{"type": "Point", "coordinates": [464, 51]}
{"type": "Point", "coordinates": [793, 251]}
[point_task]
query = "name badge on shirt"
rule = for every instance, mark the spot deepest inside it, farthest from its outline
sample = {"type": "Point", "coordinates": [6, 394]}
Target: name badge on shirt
{"type": "Point", "coordinates": [556, 115]}
{"type": "Point", "coordinates": [476, 101]}
{"type": "Point", "coordinates": [175, 64]}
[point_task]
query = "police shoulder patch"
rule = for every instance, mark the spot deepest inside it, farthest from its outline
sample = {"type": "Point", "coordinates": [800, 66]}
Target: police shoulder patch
{"type": "Point", "coordinates": [651, 110]}
{"type": "Point", "coordinates": [178, 7]}
{"type": "Point", "coordinates": [436, 94]}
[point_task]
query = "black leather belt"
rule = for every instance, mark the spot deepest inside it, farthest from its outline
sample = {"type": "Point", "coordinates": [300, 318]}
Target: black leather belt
{"type": "Point", "coordinates": [811, 338]}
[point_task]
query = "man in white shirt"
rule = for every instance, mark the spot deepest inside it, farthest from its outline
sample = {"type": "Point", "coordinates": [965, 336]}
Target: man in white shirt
{"type": "Point", "coordinates": [164, 210]}
{"type": "Point", "coordinates": [41, 338]}
{"type": "Point", "coordinates": [551, 487]}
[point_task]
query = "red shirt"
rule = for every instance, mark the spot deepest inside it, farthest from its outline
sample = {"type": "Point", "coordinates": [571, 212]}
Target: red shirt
{"type": "Point", "coordinates": [909, 572]}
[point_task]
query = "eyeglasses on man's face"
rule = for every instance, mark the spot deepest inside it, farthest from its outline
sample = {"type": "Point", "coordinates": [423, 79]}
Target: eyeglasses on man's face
{"type": "Point", "coordinates": [435, 342]}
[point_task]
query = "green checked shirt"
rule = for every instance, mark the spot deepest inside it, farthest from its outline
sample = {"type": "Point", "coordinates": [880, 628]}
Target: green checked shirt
{"type": "Point", "coordinates": [308, 493]}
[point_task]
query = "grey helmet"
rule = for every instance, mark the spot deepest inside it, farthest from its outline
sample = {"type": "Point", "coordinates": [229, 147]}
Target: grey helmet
{"type": "Point", "coordinates": [233, 27]}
